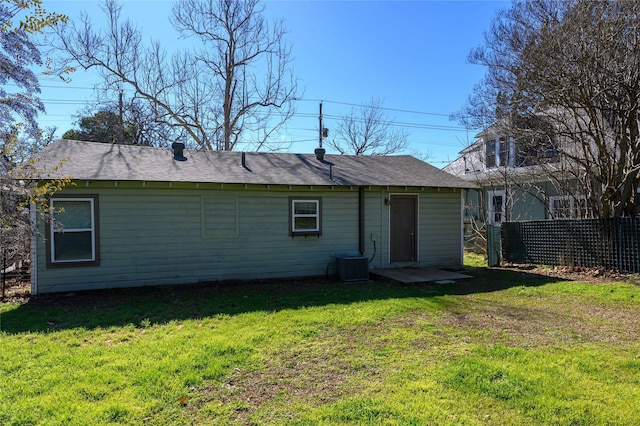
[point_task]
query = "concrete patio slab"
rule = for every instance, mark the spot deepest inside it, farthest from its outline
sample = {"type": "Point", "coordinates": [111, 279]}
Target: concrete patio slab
{"type": "Point", "coordinates": [418, 275]}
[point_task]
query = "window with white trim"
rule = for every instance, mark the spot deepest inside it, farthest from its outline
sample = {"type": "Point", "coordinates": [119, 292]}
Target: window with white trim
{"type": "Point", "coordinates": [497, 152]}
{"type": "Point", "coordinates": [305, 216]}
{"type": "Point", "coordinates": [568, 207]}
{"type": "Point", "coordinates": [523, 151]}
{"type": "Point", "coordinates": [496, 207]}
{"type": "Point", "coordinates": [73, 231]}
{"type": "Point", "coordinates": [490, 152]}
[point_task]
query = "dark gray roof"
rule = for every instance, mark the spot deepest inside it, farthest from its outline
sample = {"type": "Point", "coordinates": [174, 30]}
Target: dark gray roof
{"type": "Point", "coordinates": [110, 162]}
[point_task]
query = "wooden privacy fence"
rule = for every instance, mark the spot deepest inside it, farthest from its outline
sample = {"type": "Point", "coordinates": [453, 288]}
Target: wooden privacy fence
{"type": "Point", "coordinates": [594, 243]}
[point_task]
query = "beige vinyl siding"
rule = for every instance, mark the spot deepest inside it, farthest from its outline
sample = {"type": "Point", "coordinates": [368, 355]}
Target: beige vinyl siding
{"type": "Point", "coordinates": [164, 234]}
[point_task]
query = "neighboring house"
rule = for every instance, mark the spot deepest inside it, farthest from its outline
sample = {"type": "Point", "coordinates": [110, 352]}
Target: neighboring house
{"type": "Point", "coordinates": [518, 181]}
{"type": "Point", "coordinates": [138, 216]}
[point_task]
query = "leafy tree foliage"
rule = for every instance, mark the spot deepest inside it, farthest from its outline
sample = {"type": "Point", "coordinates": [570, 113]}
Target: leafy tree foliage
{"type": "Point", "coordinates": [19, 107]}
{"type": "Point", "coordinates": [103, 126]}
{"type": "Point", "coordinates": [576, 63]}
{"type": "Point", "coordinates": [368, 131]}
{"type": "Point", "coordinates": [233, 84]}
{"type": "Point", "coordinates": [20, 135]}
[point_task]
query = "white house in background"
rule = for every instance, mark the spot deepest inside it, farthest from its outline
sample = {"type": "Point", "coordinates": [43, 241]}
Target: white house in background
{"type": "Point", "coordinates": [517, 182]}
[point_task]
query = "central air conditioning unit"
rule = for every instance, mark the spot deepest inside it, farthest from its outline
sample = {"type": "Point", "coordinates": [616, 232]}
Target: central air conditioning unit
{"type": "Point", "coordinates": [352, 267]}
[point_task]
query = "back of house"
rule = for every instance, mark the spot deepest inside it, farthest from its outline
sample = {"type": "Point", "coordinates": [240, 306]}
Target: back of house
{"type": "Point", "coordinates": [141, 216]}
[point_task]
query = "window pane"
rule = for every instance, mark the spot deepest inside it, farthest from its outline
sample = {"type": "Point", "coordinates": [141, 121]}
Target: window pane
{"type": "Point", "coordinates": [580, 206]}
{"type": "Point", "coordinates": [72, 246]}
{"type": "Point", "coordinates": [523, 157]}
{"type": "Point", "coordinates": [74, 214]}
{"type": "Point", "coordinates": [502, 154]}
{"type": "Point", "coordinates": [305, 207]}
{"type": "Point", "coordinates": [560, 207]}
{"type": "Point", "coordinates": [497, 208]}
{"type": "Point", "coordinates": [305, 224]}
{"type": "Point", "coordinates": [491, 153]}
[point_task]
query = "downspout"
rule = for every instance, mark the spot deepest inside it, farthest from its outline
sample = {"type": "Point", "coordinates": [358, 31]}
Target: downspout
{"type": "Point", "coordinates": [464, 193]}
{"type": "Point", "coordinates": [34, 252]}
{"type": "Point", "coordinates": [361, 219]}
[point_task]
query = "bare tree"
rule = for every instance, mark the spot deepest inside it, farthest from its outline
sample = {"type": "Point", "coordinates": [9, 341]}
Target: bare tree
{"type": "Point", "coordinates": [235, 84]}
{"type": "Point", "coordinates": [368, 131]}
{"type": "Point", "coordinates": [576, 63]}
{"type": "Point", "coordinates": [235, 38]}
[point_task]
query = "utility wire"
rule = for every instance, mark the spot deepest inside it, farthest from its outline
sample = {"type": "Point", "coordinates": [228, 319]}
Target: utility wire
{"type": "Point", "coordinates": [301, 115]}
{"type": "Point", "coordinates": [297, 100]}
{"type": "Point", "coordinates": [377, 107]}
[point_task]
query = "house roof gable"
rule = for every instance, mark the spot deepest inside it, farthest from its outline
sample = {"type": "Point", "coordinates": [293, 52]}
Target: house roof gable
{"type": "Point", "coordinates": [111, 162]}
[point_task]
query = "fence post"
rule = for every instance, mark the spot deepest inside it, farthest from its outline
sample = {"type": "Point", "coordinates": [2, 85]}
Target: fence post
{"type": "Point", "coordinates": [4, 270]}
{"type": "Point", "coordinates": [494, 251]}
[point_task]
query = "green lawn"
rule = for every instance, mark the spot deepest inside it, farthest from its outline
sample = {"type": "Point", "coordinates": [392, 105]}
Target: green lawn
{"type": "Point", "coordinates": [507, 347]}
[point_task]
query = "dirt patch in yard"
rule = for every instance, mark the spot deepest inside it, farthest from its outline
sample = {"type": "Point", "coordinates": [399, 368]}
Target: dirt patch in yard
{"type": "Point", "coordinates": [531, 320]}
{"type": "Point", "coordinates": [16, 290]}
{"type": "Point", "coordinates": [315, 375]}
{"type": "Point", "coordinates": [556, 321]}
{"type": "Point", "coordinates": [574, 273]}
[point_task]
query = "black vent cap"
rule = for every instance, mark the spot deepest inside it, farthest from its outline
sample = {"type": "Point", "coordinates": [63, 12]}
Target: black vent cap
{"type": "Point", "coordinates": [178, 151]}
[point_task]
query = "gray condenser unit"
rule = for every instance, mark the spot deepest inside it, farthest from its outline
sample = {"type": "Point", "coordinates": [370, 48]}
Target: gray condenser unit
{"type": "Point", "coordinates": [353, 267]}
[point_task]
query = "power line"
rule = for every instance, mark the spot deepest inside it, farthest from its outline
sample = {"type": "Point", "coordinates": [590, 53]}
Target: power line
{"type": "Point", "coordinates": [67, 87]}
{"type": "Point", "coordinates": [68, 102]}
{"type": "Point", "coordinates": [49, 86]}
{"type": "Point", "coordinates": [297, 100]}
{"type": "Point", "coordinates": [393, 123]}
{"type": "Point", "coordinates": [377, 107]}
{"type": "Point", "coordinates": [420, 126]}
{"type": "Point", "coordinates": [413, 125]}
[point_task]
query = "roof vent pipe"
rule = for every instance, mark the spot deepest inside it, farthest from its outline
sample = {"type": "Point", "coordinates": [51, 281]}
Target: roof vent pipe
{"type": "Point", "coordinates": [244, 160]}
{"type": "Point", "coordinates": [178, 151]}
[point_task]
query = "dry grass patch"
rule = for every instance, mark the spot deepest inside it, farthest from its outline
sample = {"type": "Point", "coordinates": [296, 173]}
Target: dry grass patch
{"type": "Point", "coordinates": [565, 322]}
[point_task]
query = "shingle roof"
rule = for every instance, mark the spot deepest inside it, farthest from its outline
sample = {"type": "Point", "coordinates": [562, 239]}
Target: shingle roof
{"type": "Point", "coordinates": [109, 162]}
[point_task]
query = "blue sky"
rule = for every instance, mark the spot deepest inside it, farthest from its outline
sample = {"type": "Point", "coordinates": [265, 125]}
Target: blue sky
{"type": "Point", "coordinates": [412, 55]}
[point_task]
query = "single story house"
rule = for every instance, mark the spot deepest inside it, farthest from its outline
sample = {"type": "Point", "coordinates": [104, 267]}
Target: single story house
{"type": "Point", "coordinates": [142, 216]}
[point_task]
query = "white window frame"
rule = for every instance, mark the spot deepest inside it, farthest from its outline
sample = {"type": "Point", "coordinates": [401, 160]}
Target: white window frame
{"type": "Point", "coordinates": [490, 207]}
{"type": "Point", "coordinates": [572, 207]}
{"type": "Point", "coordinates": [317, 215]}
{"type": "Point", "coordinates": [53, 231]}
{"type": "Point", "coordinates": [498, 160]}
{"type": "Point", "coordinates": [553, 211]}
{"type": "Point", "coordinates": [487, 143]}
{"type": "Point", "coordinates": [576, 206]}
